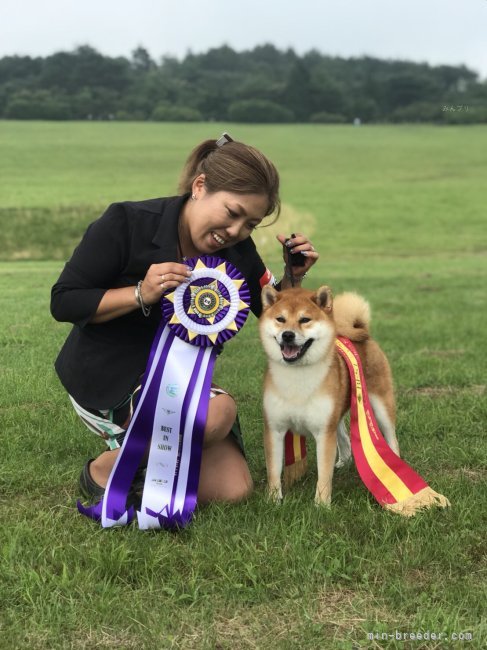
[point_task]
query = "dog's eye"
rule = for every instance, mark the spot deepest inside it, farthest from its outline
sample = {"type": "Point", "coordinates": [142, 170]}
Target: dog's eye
{"type": "Point", "coordinates": [280, 319]}
{"type": "Point", "coordinates": [304, 320]}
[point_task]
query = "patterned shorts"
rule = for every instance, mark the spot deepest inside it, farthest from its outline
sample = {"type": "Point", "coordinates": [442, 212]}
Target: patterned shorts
{"type": "Point", "coordinates": [112, 424]}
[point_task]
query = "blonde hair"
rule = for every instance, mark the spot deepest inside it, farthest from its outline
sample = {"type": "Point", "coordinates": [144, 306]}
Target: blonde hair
{"type": "Point", "coordinates": [233, 167]}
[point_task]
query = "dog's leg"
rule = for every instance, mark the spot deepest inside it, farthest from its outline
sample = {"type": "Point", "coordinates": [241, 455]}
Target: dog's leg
{"type": "Point", "coordinates": [274, 459]}
{"type": "Point", "coordinates": [386, 420]}
{"type": "Point", "coordinates": [326, 445]}
{"type": "Point", "coordinates": [343, 443]}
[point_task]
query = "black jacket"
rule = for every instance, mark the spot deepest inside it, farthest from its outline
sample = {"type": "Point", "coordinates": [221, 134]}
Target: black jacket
{"type": "Point", "coordinates": [99, 364]}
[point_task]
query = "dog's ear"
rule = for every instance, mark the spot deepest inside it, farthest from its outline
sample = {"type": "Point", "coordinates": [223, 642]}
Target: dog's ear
{"type": "Point", "coordinates": [269, 296]}
{"type": "Point", "coordinates": [324, 299]}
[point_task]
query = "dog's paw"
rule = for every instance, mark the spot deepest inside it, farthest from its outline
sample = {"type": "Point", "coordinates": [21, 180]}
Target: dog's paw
{"type": "Point", "coordinates": [274, 495]}
{"type": "Point", "coordinates": [322, 498]}
{"type": "Point", "coordinates": [322, 504]}
{"type": "Point", "coordinates": [343, 462]}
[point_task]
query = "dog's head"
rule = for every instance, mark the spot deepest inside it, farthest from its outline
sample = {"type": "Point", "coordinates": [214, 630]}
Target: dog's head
{"type": "Point", "coordinates": [296, 326]}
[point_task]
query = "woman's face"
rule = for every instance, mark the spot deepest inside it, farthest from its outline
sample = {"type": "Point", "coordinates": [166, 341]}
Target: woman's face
{"type": "Point", "coordinates": [222, 219]}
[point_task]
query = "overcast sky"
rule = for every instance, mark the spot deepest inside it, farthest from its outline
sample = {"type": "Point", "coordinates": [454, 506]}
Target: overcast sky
{"type": "Point", "coordinates": [436, 31]}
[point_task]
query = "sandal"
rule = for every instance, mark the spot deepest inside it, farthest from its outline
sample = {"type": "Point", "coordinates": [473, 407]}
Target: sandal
{"type": "Point", "coordinates": [94, 492]}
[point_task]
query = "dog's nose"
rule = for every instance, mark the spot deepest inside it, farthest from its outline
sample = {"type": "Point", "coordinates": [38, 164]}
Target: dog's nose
{"type": "Point", "coordinates": [288, 336]}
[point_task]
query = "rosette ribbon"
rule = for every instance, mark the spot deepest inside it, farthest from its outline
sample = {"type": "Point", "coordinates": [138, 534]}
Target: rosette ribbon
{"type": "Point", "coordinates": [198, 317]}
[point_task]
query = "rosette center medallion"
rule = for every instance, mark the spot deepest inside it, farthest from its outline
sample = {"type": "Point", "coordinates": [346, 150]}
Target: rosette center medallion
{"type": "Point", "coordinates": [212, 307]}
{"type": "Point", "coordinates": [207, 301]}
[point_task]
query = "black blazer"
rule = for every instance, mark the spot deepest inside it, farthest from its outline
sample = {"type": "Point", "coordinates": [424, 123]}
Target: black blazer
{"type": "Point", "coordinates": [99, 364]}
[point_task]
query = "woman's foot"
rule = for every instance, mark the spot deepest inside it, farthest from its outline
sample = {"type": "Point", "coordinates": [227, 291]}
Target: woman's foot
{"type": "Point", "coordinates": [93, 491]}
{"type": "Point", "coordinates": [100, 468]}
{"type": "Point", "coordinates": [89, 488]}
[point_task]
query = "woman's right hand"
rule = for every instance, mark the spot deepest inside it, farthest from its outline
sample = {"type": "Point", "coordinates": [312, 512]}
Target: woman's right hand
{"type": "Point", "coordinates": [158, 279]}
{"type": "Point", "coordinates": [161, 277]}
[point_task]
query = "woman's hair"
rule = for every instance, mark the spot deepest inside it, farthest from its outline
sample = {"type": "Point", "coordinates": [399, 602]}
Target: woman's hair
{"type": "Point", "coordinates": [232, 167]}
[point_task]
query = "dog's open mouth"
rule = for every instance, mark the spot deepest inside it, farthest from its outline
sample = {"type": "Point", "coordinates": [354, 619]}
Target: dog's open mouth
{"type": "Point", "coordinates": [291, 353]}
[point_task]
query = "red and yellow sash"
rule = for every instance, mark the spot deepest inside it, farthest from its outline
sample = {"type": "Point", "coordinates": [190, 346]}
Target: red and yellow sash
{"type": "Point", "coordinates": [394, 484]}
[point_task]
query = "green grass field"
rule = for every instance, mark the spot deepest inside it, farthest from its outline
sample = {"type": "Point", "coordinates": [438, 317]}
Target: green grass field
{"type": "Point", "coordinates": [398, 214]}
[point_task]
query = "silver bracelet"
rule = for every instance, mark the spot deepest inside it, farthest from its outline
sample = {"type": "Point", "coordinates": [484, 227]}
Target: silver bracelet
{"type": "Point", "coordinates": [140, 301]}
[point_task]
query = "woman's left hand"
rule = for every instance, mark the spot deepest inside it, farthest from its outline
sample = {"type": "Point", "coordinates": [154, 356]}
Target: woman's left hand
{"type": "Point", "coordinates": [298, 243]}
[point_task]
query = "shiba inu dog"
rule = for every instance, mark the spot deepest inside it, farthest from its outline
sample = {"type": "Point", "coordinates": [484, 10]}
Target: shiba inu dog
{"type": "Point", "coordinates": [307, 385]}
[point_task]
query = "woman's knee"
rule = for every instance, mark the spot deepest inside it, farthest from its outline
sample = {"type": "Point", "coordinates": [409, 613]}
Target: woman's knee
{"type": "Point", "coordinates": [241, 486]}
{"type": "Point", "coordinates": [225, 475]}
{"type": "Point", "coordinates": [222, 412]}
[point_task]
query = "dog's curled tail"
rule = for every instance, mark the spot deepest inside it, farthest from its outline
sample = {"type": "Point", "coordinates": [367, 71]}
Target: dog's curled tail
{"type": "Point", "coordinates": [352, 316]}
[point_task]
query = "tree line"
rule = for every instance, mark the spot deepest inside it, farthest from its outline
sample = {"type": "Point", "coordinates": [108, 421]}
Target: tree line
{"type": "Point", "coordinates": [264, 84]}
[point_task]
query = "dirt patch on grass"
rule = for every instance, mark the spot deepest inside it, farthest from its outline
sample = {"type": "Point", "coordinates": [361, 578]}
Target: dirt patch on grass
{"type": "Point", "coordinates": [334, 615]}
{"type": "Point", "coordinates": [82, 639]}
{"type": "Point", "coordinates": [442, 354]}
{"type": "Point", "coordinates": [447, 391]}
{"type": "Point", "coordinates": [425, 287]}
{"type": "Point", "coordinates": [472, 475]}
{"type": "Point", "coordinates": [345, 610]}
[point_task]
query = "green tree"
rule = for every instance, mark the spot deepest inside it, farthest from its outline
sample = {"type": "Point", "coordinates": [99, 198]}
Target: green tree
{"type": "Point", "coordinates": [298, 93]}
{"type": "Point", "coordinates": [141, 60]}
{"type": "Point", "coordinates": [275, 84]}
{"type": "Point", "coordinates": [38, 105]}
{"type": "Point", "coordinates": [259, 110]}
{"type": "Point", "coordinates": [407, 87]}
{"type": "Point", "coordinates": [168, 113]}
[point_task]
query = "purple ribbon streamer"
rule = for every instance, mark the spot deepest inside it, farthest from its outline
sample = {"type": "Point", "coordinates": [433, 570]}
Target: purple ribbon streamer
{"type": "Point", "coordinates": [139, 433]}
{"type": "Point", "coordinates": [168, 518]}
{"type": "Point", "coordinates": [138, 437]}
{"type": "Point", "coordinates": [198, 431]}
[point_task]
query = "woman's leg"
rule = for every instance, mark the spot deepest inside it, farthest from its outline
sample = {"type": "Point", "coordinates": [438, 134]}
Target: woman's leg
{"type": "Point", "coordinates": [224, 474]}
{"type": "Point", "coordinates": [101, 467]}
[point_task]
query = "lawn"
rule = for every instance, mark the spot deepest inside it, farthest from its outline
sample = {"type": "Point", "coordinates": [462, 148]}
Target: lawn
{"type": "Point", "coordinates": [398, 214]}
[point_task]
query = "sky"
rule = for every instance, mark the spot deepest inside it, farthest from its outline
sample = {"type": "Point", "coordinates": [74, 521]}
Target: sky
{"type": "Point", "coordinates": [433, 31]}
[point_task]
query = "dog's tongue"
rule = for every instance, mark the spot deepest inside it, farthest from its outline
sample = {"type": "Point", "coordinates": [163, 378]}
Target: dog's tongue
{"type": "Point", "coordinates": [290, 351]}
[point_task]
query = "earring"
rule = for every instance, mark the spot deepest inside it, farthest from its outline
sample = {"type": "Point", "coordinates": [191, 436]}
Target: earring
{"type": "Point", "coordinates": [193, 197]}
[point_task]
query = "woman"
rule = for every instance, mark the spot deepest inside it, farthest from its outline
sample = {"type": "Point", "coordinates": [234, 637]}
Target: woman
{"type": "Point", "coordinates": [125, 262]}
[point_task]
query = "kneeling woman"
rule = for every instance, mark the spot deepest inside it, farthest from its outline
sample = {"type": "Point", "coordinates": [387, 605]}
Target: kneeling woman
{"type": "Point", "coordinates": [125, 262]}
